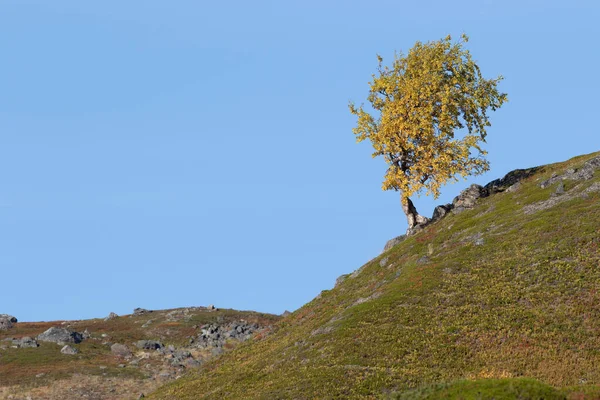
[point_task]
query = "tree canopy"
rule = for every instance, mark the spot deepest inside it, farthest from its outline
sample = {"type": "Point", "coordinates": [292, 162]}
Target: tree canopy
{"type": "Point", "coordinates": [429, 117]}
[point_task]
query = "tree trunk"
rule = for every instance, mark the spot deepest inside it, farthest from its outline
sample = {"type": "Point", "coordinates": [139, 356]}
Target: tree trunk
{"type": "Point", "coordinates": [412, 216]}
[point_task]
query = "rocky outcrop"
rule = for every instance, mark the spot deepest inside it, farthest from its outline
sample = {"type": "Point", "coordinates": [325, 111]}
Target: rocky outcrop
{"type": "Point", "coordinates": [60, 335]}
{"type": "Point", "coordinates": [25, 342]}
{"type": "Point", "coordinates": [467, 198]}
{"type": "Point", "coordinates": [215, 336]}
{"type": "Point", "coordinates": [111, 316]}
{"type": "Point", "coordinates": [9, 317]}
{"type": "Point", "coordinates": [393, 242]}
{"type": "Point", "coordinates": [5, 324]}
{"type": "Point", "coordinates": [584, 173]}
{"type": "Point", "coordinates": [509, 180]}
{"type": "Point", "coordinates": [140, 311]}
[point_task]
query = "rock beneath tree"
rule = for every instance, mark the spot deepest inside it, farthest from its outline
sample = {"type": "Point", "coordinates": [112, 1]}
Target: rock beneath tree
{"type": "Point", "coordinates": [468, 197]}
{"type": "Point", "coordinates": [60, 335]}
{"type": "Point", "coordinates": [441, 211]}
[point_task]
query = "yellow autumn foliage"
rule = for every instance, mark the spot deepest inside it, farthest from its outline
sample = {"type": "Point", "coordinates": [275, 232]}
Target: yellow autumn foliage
{"type": "Point", "coordinates": [429, 116]}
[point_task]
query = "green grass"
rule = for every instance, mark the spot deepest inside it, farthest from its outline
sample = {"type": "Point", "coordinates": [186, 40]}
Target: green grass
{"type": "Point", "coordinates": [526, 303]}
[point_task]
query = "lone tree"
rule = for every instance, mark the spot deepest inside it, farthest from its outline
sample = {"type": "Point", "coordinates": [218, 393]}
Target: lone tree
{"type": "Point", "coordinates": [429, 119]}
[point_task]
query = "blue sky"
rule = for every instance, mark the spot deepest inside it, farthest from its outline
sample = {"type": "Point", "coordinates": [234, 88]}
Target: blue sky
{"type": "Point", "coordinates": [164, 154]}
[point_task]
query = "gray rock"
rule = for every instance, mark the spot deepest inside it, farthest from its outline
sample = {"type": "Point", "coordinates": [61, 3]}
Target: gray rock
{"type": "Point", "coordinates": [60, 335]}
{"type": "Point", "coordinates": [560, 189]}
{"type": "Point", "coordinates": [468, 197]}
{"type": "Point", "coordinates": [112, 315]}
{"type": "Point", "coordinates": [140, 311]}
{"type": "Point", "coordinates": [148, 344]}
{"type": "Point", "coordinates": [383, 262]}
{"type": "Point", "coordinates": [509, 180]}
{"type": "Point", "coordinates": [9, 317]}
{"type": "Point", "coordinates": [211, 307]}
{"type": "Point", "coordinates": [393, 242]}
{"type": "Point", "coordinates": [69, 350]}
{"type": "Point", "coordinates": [5, 324]}
{"type": "Point", "coordinates": [286, 313]}
{"type": "Point", "coordinates": [25, 342]}
{"type": "Point", "coordinates": [584, 173]}
{"type": "Point", "coordinates": [120, 350]}
{"type": "Point", "coordinates": [441, 211]}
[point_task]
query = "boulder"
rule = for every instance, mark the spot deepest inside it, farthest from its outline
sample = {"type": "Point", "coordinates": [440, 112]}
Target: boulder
{"type": "Point", "coordinates": [25, 342]}
{"type": "Point", "coordinates": [393, 242]}
{"type": "Point", "coordinates": [60, 335]}
{"type": "Point", "coordinates": [468, 197]}
{"type": "Point", "coordinates": [5, 324]}
{"type": "Point", "coordinates": [120, 350]}
{"type": "Point", "coordinates": [140, 311]}
{"type": "Point", "coordinates": [148, 344]}
{"type": "Point", "coordinates": [509, 180]}
{"type": "Point", "coordinates": [69, 350]}
{"type": "Point", "coordinates": [112, 315]}
{"type": "Point", "coordinates": [9, 317]}
{"type": "Point", "coordinates": [441, 211]}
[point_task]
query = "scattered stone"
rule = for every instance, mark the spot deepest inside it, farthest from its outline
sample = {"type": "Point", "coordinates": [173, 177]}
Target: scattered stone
{"type": "Point", "coordinates": [69, 350]}
{"type": "Point", "coordinates": [148, 344]}
{"type": "Point", "coordinates": [9, 317]}
{"type": "Point", "coordinates": [5, 324]}
{"type": "Point", "coordinates": [586, 172]}
{"type": "Point", "coordinates": [60, 335]}
{"type": "Point", "coordinates": [147, 324]}
{"type": "Point", "coordinates": [393, 242]}
{"type": "Point", "coordinates": [120, 350]}
{"type": "Point", "coordinates": [111, 316]}
{"type": "Point", "coordinates": [86, 334]}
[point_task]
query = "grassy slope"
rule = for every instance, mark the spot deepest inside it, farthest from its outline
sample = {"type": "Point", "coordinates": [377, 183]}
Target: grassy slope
{"type": "Point", "coordinates": [20, 366]}
{"type": "Point", "coordinates": [524, 304]}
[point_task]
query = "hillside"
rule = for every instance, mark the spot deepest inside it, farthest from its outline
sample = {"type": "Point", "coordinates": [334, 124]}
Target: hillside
{"type": "Point", "coordinates": [504, 286]}
{"type": "Point", "coordinates": [117, 357]}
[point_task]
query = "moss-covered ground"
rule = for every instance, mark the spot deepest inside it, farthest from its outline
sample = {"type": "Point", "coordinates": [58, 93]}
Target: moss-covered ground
{"type": "Point", "coordinates": [443, 307]}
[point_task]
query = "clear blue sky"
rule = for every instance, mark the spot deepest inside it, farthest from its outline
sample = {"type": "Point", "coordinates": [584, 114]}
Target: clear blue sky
{"type": "Point", "coordinates": [162, 154]}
